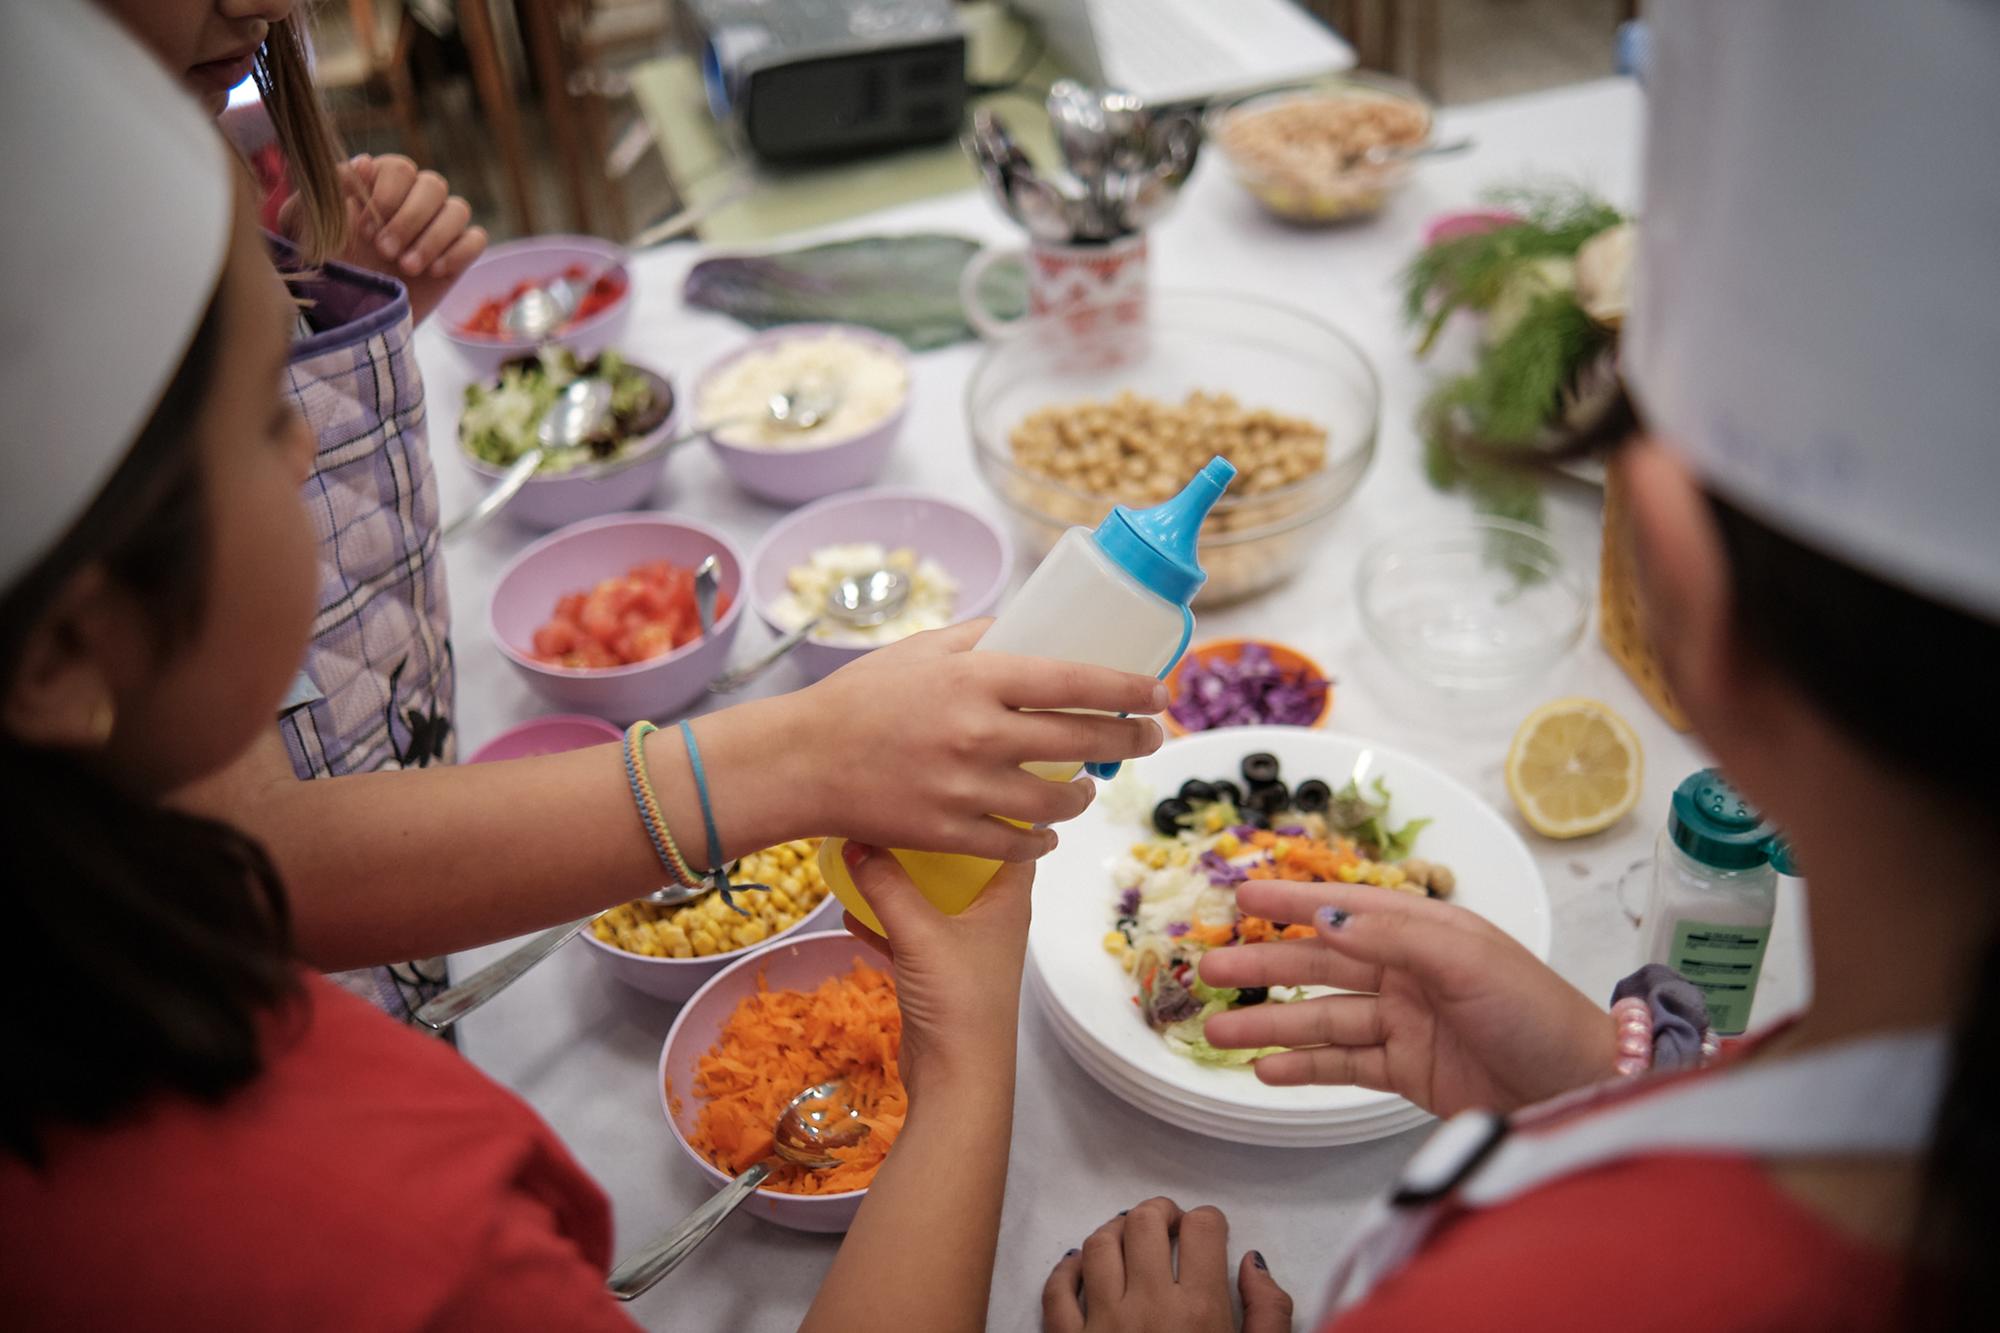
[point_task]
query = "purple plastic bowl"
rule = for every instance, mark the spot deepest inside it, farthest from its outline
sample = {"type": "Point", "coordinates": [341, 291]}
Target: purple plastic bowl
{"type": "Point", "coordinates": [625, 484]}
{"type": "Point", "coordinates": [533, 259]}
{"type": "Point", "coordinates": [554, 734]}
{"type": "Point", "coordinates": [799, 964]}
{"type": "Point", "coordinates": [973, 551]}
{"type": "Point", "coordinates": [678, 978]}
{"type": "Point", "coordinates": [794, 476]}
{"type": "Point", "coordinates": [577, 558]}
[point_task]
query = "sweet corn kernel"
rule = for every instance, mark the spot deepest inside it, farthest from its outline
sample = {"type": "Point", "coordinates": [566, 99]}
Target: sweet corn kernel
{"type": "Point", "coordinates": [1115, 942]}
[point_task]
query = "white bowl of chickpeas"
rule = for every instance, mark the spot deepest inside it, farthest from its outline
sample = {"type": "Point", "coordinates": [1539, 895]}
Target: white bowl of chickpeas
{"type": "Point", "coordinates": [1310, 155]}
{"type": "Point", "coordinates": [1062, 430]}
{"type": "Point", "coordinates": [670, 951]}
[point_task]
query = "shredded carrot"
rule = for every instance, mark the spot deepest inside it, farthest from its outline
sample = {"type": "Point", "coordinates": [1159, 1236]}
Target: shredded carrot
{"type": "Point", "coordinates": [1297, 933]}
{"type": "Point", "coordinates": [1212, 936]}
{"type": "Point", "coordinates": [780, 1042]}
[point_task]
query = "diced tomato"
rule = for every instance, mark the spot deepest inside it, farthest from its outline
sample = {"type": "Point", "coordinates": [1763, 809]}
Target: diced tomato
{"type": "Point", "coordinates": [644, 613]}
{"type": "Point", "coordinates": [604, 293]}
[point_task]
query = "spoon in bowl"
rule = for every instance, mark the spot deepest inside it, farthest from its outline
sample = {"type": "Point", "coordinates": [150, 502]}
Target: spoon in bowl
{"type": "Point", "coordinates": [859, 601]}
{"type": "Point", "coordinates": [579, 413]}
{"type": "Point", "coordinates": [454, 1003]}
{"type": "Point", "coordinates": [539, 312]}
{"type": "Point", "coordinates": [815, 1123]}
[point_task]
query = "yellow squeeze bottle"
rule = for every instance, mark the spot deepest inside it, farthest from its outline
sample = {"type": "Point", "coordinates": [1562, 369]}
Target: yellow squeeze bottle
{"type": "Point", "coordinates": [1116, 596]}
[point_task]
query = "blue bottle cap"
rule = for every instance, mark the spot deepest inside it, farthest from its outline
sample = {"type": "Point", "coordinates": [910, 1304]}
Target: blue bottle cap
{"type": "Point", "coordinates": [1157, 546]}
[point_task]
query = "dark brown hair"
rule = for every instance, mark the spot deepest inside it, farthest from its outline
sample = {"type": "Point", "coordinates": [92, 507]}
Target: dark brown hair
{"type": "Point", "coordinates": [152, 947]}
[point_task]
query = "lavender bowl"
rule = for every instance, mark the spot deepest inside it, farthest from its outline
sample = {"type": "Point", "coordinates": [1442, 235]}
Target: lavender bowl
{"type": "Point", "coordinates": [975, 552]}
{"type": "Point", "coordinates": [678, 978]}
{"type": "Point", "coordinates": [801, 963]}
{"type": "Point", "coordinates": [576, 558]}
{"type": "Point", "coordinates": [825, 467]}
{"type": "Point", "coordinates": [533, 259]}
{"type": "Point", "coordinates": [556, 733]}
{"type": "Point", "coordinates": [625, 483]}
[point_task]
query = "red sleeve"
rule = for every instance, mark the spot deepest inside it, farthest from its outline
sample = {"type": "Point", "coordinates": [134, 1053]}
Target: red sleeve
{"type": "Point", "coordinates": [529, 1276]}
{"type": "Point", "coordinates": [1654, 1244]}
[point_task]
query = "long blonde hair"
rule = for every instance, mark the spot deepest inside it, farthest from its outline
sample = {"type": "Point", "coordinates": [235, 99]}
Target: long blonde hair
{"type": "Point", "coordinates": [305, 134]}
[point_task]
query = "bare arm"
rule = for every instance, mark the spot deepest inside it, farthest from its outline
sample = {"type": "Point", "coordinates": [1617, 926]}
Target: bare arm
{"type": "Point", "coordinates": [912, 746]}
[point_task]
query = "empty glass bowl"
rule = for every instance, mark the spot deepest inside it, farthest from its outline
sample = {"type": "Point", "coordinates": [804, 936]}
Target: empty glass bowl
{"type": "Point", "coordinates": [1481, 606]}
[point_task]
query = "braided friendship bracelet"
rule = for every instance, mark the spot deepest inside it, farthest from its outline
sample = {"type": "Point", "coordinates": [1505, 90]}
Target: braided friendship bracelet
{"type": "Point", "coordinates": [718, 871]}
{"type": "Point", "coordinates": [650, 814]}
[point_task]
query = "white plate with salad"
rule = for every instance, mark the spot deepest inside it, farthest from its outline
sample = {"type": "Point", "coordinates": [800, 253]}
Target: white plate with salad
{"type": "Point", "coordinates": [1143, 884]}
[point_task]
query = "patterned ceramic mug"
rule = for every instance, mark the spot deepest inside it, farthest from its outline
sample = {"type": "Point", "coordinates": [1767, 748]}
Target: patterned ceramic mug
{"type": "Point", "coordinates": [1094, 286]}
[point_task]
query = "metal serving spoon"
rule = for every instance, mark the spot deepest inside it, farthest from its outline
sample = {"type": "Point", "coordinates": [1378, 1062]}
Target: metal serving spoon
{"type": "Point", "coordinates": [579, 413]}
{"type": "Point", "coordinates": [545, 308]}
{"type": "Point", "coordinates": [858, 601]}
{"type": "Point", "coordinates": [448, 1006]}
{"type": "Point", "coordinates": [817, 1121]}
{"type": "Point", "coordinates": [797, 409]}
{"type": "Point", "coordinates": [707, 583]}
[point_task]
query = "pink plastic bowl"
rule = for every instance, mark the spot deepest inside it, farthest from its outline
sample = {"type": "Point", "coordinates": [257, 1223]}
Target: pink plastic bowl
{"type": "Point", "coordinates": [799, 964]}
{"type": "Point", "coordinates": [972, 550]}
{"type": "Point", "coordinates": [794, 476]}
{"type": "Point", "coordinates": [678, 978]}
{"type": "Point", "coordinates": [533, 259]}
{"type": "Point", "coordinates": [554, 734]}
{"type": "Point", "coordinates": [576, 558]}
{"type": "Point", "coordinates": [626, 483]}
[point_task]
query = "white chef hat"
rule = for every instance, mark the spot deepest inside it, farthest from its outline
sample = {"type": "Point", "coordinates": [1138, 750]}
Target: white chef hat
{"type": "Point", "coordinates": [1817, 321]}
{"type": "Point", "coordinates": [115, 213]}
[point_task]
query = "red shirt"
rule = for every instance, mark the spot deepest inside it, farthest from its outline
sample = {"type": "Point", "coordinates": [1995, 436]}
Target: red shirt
{"type": "Point", "coordinates": [1658, 1242]}
{"type": "Point", "coordinates": [370, 1178]}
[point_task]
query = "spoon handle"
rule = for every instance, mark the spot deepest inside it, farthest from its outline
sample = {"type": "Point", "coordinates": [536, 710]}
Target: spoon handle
{"type": "Point", "coordinates": [495, 500]}
{"type": "Point", "coordinates": [637, 1274]}
{"type": "Point", "coordinates": [448, 1006]}
{"type": "Point", "coordinates": [737, 677]}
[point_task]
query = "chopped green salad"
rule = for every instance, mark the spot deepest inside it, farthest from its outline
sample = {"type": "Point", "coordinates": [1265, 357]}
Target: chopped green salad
{"type": "Point", "coordinates": [499, 421]}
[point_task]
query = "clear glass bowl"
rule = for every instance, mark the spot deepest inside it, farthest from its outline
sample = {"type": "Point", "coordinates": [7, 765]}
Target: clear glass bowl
{"type": "Point", "coordinates": [1333, 194]}
{"type": "Point", "coordinates": [1485, 605]}
{"type": "Point", "coordinates": [1266, 354]}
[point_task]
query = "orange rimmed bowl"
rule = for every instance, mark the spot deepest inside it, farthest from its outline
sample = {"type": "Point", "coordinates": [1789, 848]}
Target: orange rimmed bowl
{"type": "Point", "coordinates": [1288, 659]}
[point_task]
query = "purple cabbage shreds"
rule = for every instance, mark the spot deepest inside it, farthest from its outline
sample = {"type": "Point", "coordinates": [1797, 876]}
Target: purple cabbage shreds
{"type": "Point", "coordinates": [1290, 831]}
{"type": "Point", "coordinates": [1128, 902]}
{"type": "Point", "coordinates": [1176, 929]}
{"type": "Point", "coordinates": [1252, 690]}
{"type": "Point", "coordinates": [1243, 830]}
{"type": "Point", "coordinates": [1220, 872]}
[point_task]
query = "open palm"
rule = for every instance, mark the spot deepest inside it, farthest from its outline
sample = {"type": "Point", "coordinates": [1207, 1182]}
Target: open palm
{"type": "Point", "coordinates": [1447, 1009]}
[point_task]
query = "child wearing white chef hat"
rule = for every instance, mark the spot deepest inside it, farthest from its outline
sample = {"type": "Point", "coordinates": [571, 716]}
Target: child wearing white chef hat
{"type": "Point", "coordinates": [1816, 358]}
{"type": "Point", "coordinates": [197, 1131]}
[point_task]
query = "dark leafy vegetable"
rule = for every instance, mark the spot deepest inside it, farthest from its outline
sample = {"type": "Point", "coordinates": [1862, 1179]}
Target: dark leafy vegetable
{"type": "Point", "coordinates": [1365, 820]}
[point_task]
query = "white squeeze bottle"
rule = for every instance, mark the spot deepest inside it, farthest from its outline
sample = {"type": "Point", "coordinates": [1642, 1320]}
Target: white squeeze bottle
{"type": "Point", "coordinates": [1116, 596]}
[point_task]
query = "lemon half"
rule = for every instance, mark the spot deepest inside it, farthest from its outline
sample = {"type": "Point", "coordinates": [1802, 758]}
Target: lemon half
{"type": "Point", "coordinates": [1575, 768]}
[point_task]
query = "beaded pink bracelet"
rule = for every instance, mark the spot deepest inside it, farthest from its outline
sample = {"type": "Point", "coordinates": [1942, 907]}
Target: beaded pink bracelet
{"type": "Point", "coordinates": [1633, 1021]}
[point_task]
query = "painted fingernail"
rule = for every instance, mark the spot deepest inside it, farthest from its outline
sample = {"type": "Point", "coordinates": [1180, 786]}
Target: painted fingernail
{"type": "Point", "coordinates": [1257, 1258]}
{"type": "Point", "coordinates": [1071, 1254]}
{"type": "Point", "coordinates": [854, 853]}
{"type": "Point", "coordinates": [1123, 1211]}
{"type": "Point", "coordinates": [1333, 918]}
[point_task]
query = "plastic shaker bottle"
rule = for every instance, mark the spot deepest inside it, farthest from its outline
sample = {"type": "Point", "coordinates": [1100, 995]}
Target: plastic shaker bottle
{"type": "Point", "coordinates": [1116, 596]}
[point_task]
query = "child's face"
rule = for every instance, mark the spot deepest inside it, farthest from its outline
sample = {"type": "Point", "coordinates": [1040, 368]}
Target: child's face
{"type": "Point", "coordinates": [207, 43]}
{"type": "Point", "coordinates": [219, 688]}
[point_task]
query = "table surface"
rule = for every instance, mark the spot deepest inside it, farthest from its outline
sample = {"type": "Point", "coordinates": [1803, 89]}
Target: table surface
{"type": "Point", "coordinates": [582, 1049]}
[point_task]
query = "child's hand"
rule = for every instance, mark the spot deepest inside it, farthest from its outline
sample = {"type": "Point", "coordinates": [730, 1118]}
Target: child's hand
{"type": "Point", "coordinates": [920, 744]}
{"type": "Point", "coordinates": [958, 978]}
{"type": "Point", "coordinates": [1454, 1012]}
{"type": "Point", "coordinates": [1125, 1279]}
{"type": "Point", "coordinates": [408, 224]}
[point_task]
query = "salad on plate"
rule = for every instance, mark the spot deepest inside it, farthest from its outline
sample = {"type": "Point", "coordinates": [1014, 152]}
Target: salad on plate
{"type": "Point", "coordinates": [1176, 890]}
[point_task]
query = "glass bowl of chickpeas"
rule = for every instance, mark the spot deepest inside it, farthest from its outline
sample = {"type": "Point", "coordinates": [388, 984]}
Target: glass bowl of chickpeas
{"type": "Point", "coordinates": [1067, 423]}
{"type": "Point", "coordinates": [670, 951]}
{"type": "Point", "coordinates": [1323, 155]}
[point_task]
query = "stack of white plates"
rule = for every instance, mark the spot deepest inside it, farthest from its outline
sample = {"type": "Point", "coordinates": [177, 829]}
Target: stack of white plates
{"type": "Point", "coordinates": [1089, 997]}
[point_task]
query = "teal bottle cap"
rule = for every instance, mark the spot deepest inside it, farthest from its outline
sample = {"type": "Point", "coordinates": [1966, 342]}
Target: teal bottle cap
{"type": "Point", "coordinates": [1157, 546]}
{"type": "Point", "coordinates": [1716, 826]}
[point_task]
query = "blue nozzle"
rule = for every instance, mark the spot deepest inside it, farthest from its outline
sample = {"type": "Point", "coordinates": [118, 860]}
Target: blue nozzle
{"type": "Point", "coordinates": [1157, 546]}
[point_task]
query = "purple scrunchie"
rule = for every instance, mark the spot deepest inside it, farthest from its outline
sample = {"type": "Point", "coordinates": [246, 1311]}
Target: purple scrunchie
{"type": "Point", "coordinates": [1680, 1014]}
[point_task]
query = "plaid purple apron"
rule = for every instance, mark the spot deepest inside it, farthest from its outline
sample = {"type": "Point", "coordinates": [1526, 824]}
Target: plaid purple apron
{"type": "Point", "coordinates": [377, 692]}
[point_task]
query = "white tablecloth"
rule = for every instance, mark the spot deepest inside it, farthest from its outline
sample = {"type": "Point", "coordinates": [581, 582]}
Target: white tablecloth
{"type": "Point", "coordinates": [582, 1049]}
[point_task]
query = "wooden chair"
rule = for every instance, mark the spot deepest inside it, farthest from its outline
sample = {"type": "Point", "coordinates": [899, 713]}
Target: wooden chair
{"type": "Point", "coordinates": [364, 54]}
